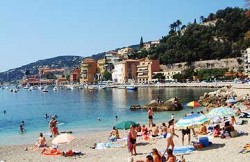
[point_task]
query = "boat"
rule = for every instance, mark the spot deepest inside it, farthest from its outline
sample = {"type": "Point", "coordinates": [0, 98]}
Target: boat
{"type": "Point", "coordinates": [55, 88]}
{"type": "Point", "coordinates": [133, 88]}
{"type": "Point", "coordinates": [45, 90]}
{"type": "Point", "coordinates": [121, 87]}
{"type": "Point", "coordinates": [102, 87]}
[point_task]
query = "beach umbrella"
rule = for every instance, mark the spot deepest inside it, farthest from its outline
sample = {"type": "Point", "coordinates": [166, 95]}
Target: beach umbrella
{"type": "Point", "coordinates": [193, 104]}
{"type": "Point", "coordinates": [125, 124]}
{"type": "Point", "coordinates": [63, 138]}
{"type": "Point", "coordinates": [193, 120]}
{"type": "Point", "coordinates": [231, 100]}
{"type": "Point", "coordinates": [221, 112]}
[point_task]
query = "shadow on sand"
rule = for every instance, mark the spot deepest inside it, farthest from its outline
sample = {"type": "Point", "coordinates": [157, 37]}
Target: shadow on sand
{"type": "Point", "coordinates": [213, 146]}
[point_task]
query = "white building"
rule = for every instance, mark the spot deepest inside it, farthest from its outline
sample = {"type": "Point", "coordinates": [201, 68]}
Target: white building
{"type": "Point", "coordinates": [246, 59]}
{"type": "Point", "coordinates": [169, 74]}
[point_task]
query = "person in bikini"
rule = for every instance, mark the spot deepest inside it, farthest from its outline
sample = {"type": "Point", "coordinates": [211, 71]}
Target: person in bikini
{"type": "Point", "coordinates": [170, 135]}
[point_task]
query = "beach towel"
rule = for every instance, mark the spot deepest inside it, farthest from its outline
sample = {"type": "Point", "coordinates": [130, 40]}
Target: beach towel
{"type": "Point", "coordinates": [101, 145]}
{"type": "Point", "coordinates": [181, 150]}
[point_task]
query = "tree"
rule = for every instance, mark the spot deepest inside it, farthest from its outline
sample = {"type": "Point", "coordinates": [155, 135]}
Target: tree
{"type": "Point", "coordinates": [27, 72]}
{"type": "Point", "coordinates": [194, 21]}
{"type": "Point", "coordinates": [201, 19]}
{"type": "Point", "coordinates": [107, 75]}
{"type": "Point", "coordinates": [178, 23]}
{"type": "Point", "coordinates": [141, 43]}
{"type": "Point", "coordinates": [159, 76]}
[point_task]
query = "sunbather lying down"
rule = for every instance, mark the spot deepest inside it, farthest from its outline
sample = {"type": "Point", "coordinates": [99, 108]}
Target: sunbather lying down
{"type": "Point", "coordinates": [55, 151]}
{"type": "Point", "coordinates": [51, 151]}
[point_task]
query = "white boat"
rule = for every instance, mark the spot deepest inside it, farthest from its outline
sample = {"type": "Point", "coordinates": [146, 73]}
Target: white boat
{"type": "Point", "coordinates": [121, 87]}
{"type": "Point", "coordinates": [102, 87]}
{"type": "Point", "coordinates": [133, 88]}
{"type": "Point", "coordinates": [55, 88]}
{"type": "Point", "coordinates": [45, 90]}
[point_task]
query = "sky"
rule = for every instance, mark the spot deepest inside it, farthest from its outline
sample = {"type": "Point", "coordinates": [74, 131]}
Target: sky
{"type": "Point", "coordinates": [32, 30]}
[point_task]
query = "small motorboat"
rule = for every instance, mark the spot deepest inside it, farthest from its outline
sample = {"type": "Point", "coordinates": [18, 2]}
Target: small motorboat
{"type": "Point", "coordinates": [133, 88]}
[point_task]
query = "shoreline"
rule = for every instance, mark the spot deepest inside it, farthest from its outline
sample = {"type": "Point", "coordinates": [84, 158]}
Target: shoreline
{"type": "Point", "coordinates": [220, 150]}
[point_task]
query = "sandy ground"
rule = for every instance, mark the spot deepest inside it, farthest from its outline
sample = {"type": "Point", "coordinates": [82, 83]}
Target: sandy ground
{"type": "Point", "coordinates": [221, 149]}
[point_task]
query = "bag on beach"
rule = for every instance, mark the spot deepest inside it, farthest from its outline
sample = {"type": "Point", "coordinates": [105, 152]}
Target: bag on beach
{"type": "Point", "coordinates": [163, 159]}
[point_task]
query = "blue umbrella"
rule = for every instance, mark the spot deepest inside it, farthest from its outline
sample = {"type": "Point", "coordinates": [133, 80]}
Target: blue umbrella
{"type": "Point", "coordinates": [221, 112]}
{"type": "Point", "coordinates": [194, 120]}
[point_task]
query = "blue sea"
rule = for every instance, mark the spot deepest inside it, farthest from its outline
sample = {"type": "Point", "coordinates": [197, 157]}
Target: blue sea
{"type": "Point", "coordinates": [79, 110]}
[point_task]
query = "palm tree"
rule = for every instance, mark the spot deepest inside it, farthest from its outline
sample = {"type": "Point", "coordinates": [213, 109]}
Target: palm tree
{"type": "Point", "coordinates": [178, 24]}
{"type": "Point", "coordinates": [201, 19]}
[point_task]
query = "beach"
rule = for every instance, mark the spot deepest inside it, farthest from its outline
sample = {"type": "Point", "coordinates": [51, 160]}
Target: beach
{"type": "Point", "coordinates": [220, 150]}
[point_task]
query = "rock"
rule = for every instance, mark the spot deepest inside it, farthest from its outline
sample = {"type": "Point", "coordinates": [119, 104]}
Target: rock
{"type": "Point", "coordinates": [135, 107]}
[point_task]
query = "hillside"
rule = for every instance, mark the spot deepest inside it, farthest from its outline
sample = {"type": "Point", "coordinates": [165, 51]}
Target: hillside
{"type": "Point", "coordinates": [56, 62]}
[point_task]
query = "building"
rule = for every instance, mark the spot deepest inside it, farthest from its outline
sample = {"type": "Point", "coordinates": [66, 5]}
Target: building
{"type": "Point", "coordinates": [145, 70]}
{"type": "Point", "coordinates": [88, 71]}
{"type": "Point", "coordinates": [125, 52]}
{"type": "Point", "coordinates": [125, 71]}
{"type": "Point", "coordinates": [75, 75]}
{"type": "Point", "coordinates": [246, 60]}
{"type": "Point", "coordinates": [148, 45]}
{"type": "Point", "coordinates": [169, 74]}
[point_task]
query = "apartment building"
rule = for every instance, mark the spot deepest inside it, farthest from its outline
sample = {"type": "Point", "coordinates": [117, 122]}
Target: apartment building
{"type": "Point", "coordinates": [125, 71]}
{"type": "Point", "coordinates": [145, 70]}
{"type": "Point", "coordinates": [88, 71]}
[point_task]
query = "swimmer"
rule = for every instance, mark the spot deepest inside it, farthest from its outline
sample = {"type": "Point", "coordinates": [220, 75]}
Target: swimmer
{"type": "Point", "coordinates": [4, 112]}
{"type": "Point", "coordinates": [22, 130]}
{"type": "Point", "coordinates": [116, 117]}
{"type": "Point", "coordinates": [22, 123]}
{"type": "Point", "coordinates": [99, 119]}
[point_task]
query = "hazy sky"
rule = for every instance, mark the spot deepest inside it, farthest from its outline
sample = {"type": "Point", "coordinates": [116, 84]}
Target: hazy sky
{"type": "Point", "coordinates": [32, 30]}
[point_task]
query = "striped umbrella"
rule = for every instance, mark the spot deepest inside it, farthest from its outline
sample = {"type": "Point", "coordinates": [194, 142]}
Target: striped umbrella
{"type": "Point", "coordinates": [193, 104]}
{"type": "Point", "coordinates": [193, 120]}
{"type": "Point", "coordinates": [221, 112]}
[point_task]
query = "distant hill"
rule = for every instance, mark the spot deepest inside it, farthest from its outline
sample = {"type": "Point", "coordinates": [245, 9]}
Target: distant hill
{"type": "Point", "coordinates": [55, 62]}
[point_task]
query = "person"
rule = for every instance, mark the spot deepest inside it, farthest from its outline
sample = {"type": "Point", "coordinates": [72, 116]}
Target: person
{"type": "Point", "coordinates": [132, 140]}
{"type": "Point", "coordinates": [185, 132]}
{"type": "Point", "coordinates": [41, 141]}
{"type": "Point", "coordinates": [237, 111]}
{"type": "Point", "coordinates": [21, 128]}
{"type": "Point", "coordinates": [4, 112]}
{"type": "Point", "coordinates": [149, 158]}
{"type": "Point", "coordinates": [99, 119]}
{"type": "Point", "coordinates": [156, 155]}
{"type": "Point", "coordinates": [155, 130]}
{"type": "Point", "coordinates": [158, 99]}
{"type": "Point", "coordinates": [52, 125]}
{"type": "Point", "coordinates": [171, 157]}
{"type": "Point", "coordinates": [170, 135]}
{"type": "Point", "coordinates": [228, 128]}
{"type": "Point", "coordinates": [216, 131]}
{"type": "Point", "coordinates": [116, 117]}
{"type": "Point", "coordinates": [172, 116]}
{"type": "Point", "coordinates": [232, 120]}
{"type": "Point", "coordinates": [203, 130]}
{"type": "Point", "coordinates": [114, 134]}
{"type": "Point", "coordinates": [150, 116]}
{"type": "Point", "coordinates": [202, 112]}
{"type": "Point", "coordinates": [46, 115]}
{"type": "Point", "coordinates": [164, 130]}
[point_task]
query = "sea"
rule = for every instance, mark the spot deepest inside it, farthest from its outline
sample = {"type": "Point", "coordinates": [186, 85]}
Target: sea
{"type": "Point", "coordinates": [79, 110]}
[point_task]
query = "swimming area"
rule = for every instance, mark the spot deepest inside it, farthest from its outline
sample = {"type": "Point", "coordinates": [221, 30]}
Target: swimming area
{"type": "Point", "coordinates": [79, 110]}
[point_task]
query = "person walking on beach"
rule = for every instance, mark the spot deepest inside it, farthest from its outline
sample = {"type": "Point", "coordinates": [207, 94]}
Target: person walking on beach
{"type": "Point", "coordinates": [170, 135]}
{"type": "Point", "coordinates": [132, 140]}
{"type": "Point", "coordinates": [150, 116]}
